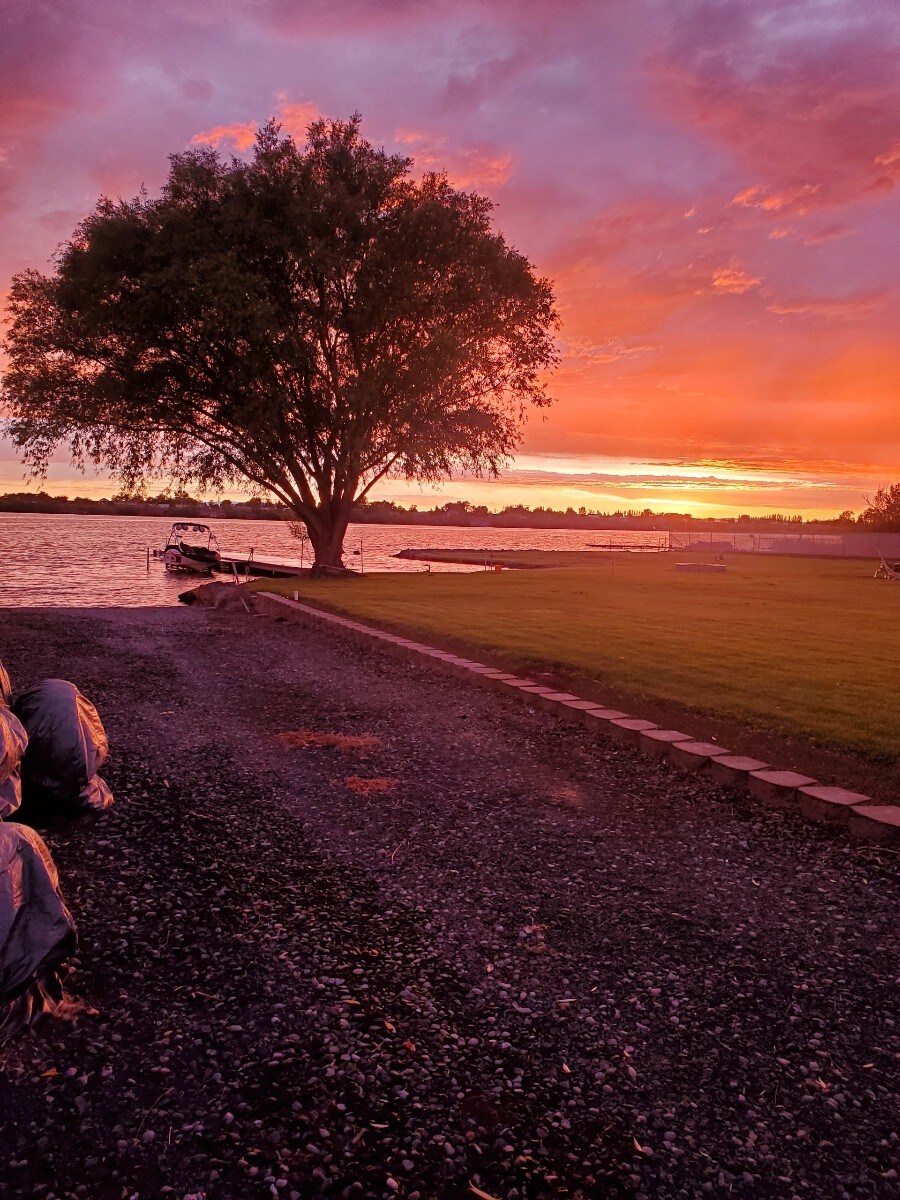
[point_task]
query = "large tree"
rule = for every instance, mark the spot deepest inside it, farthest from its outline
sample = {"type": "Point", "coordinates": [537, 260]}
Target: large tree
{"type": "Point", "coordinates": [309, 321]}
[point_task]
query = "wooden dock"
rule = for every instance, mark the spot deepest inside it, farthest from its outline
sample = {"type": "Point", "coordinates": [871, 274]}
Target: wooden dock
{"type": "Point", "coordinates": [263, 566]}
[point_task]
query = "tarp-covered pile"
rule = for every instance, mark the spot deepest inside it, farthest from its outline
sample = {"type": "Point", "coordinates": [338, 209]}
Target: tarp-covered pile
{"type": "Point", "coordinates": [36, 929]}
{"type": "Point", "coordinates": [13, 740]}
{"type": "Point", "coordinates": [66, 747]}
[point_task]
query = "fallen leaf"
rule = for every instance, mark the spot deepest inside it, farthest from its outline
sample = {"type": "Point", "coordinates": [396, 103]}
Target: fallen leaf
{"type": "Point", "coordinates": [389, 1027]}
{"type": "Point", "coordinates": [47, 1074]}
{"type": "Point", "coordinates": [476, 1191]}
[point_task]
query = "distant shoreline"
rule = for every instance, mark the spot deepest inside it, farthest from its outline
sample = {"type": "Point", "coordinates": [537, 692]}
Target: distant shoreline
{"type": "Point", "coordinates": [660, 523]}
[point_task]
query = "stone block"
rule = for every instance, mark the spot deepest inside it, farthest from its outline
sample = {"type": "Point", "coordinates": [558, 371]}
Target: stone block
{"type": "Point", "coordinates": [598, 718]}
{"type": "Point", "coordinates": [505, 678]}
{"type": "Point", "coordinates": [693, 756]}
{"type": "Point", "coordinates": [553, 701]}
{"type": "Point", "coordinates": [879, 823]}
{"type": "Point", "coordinates": [497, 680]}
{"type": "Point", "coordinates": [533, 694]}
{"type": "Point", "coordinates": [655, 743]}
{"type": "Point", "coordinates": [828, 803]}
{"type": "Point", "coordinates": [777, 789]}
{"type": "Point", "coordinates": [629, 729]}
{"type": "Point", "coordinates": [733, 770]}
{"type": "Point", "coordinates": [461, 667]}
{"type": "Point", "coordinates": [576, 707]}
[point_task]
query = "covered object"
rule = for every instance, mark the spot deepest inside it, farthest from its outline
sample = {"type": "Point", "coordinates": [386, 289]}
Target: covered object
{"type": "Point", "coordinates": [66, 747]}
{"type": "Point", "coordinates": [13, 740]}
{"type": "Point", "coordinates": [37, 932]}
{"type": "Point", "coordinates": [5, 686]}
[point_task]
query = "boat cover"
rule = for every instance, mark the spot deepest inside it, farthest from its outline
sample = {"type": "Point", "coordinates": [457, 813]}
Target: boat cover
{"type": "Point", "coordinates": [5, 686]}
{"type": "Point", "coordinates": [67, 745]}
{"type": "Point", "coordinates": [13, 740]}
{"type": "Point", "coordinates": [37, 932]}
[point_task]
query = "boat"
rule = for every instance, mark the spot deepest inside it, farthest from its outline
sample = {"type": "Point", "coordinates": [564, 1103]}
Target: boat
{"type": "Point", "coordinates": [181, 554]}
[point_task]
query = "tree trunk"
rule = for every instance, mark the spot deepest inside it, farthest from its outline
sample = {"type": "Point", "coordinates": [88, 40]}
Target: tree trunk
{"type": "Point", "coordinates": [328, 542]}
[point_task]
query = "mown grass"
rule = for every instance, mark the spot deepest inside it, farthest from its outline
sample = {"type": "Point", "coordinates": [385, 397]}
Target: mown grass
{"type": "Point", "coordinates": [514, 558]}
{"type": "Point", "coordinates": [800, 646]}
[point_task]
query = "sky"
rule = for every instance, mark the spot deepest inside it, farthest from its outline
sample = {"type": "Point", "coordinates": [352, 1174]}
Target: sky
{"type": "Point", "coordinates": [713, 186]}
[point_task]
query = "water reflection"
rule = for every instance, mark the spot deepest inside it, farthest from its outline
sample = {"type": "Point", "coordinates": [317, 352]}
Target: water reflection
{"type": "Point", "coordinates": [99, 560]}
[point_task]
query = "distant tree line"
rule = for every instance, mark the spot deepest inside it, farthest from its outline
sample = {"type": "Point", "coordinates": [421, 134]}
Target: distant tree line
{"type": "Point", "coordinates": [881, 515]}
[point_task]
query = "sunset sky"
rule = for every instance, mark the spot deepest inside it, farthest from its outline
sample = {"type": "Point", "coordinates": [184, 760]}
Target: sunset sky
{"type": "Point", "coordinates": [714, 188]}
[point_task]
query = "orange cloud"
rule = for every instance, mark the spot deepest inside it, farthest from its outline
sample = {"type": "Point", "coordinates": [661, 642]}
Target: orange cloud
{"type": "Point", "coordinates": [890, 158]}
{"type": "Point", "coordinates": [475, 166]}
{"type": "Point", "coordinates": [241, 136]}
{"type": "Point", "coordinates": [296, 117]}
{"type": "Point", "coordinates": [798, 200]}
{"type": "Point", "coordinates": [606, 353]}
{"type": "Point", "coordinates": [855, 308]}
{"type": "Point", "coordinates": [734, 280]}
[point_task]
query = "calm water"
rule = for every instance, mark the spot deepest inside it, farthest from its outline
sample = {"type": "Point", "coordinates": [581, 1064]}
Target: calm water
{"type": "Point", "coordinates": [85, 561]}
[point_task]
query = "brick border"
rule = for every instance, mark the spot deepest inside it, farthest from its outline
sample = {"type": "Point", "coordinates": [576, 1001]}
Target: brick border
{"type": "Point", "coordinates": [773, 788]}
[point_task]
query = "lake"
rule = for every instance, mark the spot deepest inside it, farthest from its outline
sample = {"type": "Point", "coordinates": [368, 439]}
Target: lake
{"type": "Point", "coordinates": [98, 560]}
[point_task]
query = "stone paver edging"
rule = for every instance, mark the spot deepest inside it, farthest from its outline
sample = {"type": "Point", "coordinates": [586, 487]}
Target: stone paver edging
{"type": "Point", "coordinates": [774, 788]}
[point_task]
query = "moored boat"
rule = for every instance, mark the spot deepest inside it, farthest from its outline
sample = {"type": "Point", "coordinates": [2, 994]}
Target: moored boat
{"type": "Point", "coordinates": [197, 555]}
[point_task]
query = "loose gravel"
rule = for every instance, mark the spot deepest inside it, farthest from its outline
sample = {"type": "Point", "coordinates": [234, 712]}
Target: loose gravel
{"type": "Point", "coordinates": [536, 966]}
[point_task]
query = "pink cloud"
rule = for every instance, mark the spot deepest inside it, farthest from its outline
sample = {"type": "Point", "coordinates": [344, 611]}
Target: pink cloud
{"type": "Point", "coordinates": [854, 308]}
{"type": "Point", "coordinates": [805, 102]}
{"type": "Point", "coordinates": [475, 166]}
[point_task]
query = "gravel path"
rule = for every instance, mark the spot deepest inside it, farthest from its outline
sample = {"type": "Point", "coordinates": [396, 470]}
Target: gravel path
{"type": "Point", "coordinates": [535, 966]}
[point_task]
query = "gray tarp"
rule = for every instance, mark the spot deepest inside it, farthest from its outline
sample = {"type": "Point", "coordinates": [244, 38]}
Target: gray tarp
{"type": "Point", "coordinates": [66, 747]}
{"type": "Point", "coordinates": [5, 686]}
{"type": "Point", "coordinates": [37, 932]}
{"type": "Point", "coordinates": [13, 740]}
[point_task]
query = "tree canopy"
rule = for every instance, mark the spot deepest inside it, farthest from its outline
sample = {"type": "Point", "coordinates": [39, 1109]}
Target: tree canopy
{"type": "Point", "coordinates": [883, 511]}
{"type": "Point", "coordinates": [309, 320]}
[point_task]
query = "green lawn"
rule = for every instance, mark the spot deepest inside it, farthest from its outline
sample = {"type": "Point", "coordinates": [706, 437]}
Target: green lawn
{"type": "Point", "coordinates": [802, 646]}
{"type": "Point", "coordinates": [514, 558]}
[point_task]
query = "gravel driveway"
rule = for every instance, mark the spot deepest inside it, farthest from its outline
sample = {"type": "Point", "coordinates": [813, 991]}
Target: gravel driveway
{"type": "Point", "coordinates": [502, 960]}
